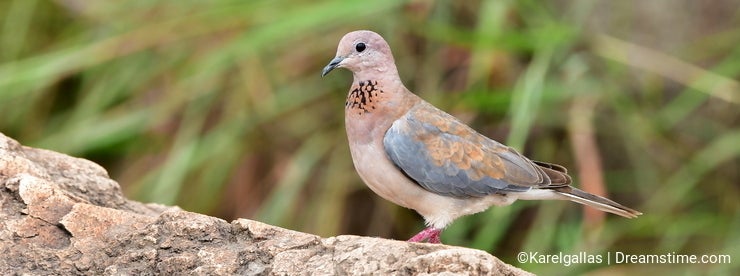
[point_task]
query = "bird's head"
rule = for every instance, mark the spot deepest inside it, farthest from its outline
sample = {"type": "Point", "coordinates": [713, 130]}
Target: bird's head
{"type": "Point", "coordinates": [362, 52]}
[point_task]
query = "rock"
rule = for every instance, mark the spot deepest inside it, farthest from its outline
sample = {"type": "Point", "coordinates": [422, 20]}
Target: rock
{"type": "Point", "coordinates": [64, 215]}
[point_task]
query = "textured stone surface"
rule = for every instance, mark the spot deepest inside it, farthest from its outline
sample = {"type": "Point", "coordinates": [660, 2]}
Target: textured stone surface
{"type": "Point", "coordinates": [64, 215]}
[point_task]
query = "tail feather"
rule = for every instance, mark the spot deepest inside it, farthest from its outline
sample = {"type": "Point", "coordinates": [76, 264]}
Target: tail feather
{"type": "Point", "coordinates": [601, 203]}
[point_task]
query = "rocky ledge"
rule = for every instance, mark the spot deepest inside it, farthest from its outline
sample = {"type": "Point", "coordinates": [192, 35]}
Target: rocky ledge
{"type": "Point", "coordinates": [64, 215]}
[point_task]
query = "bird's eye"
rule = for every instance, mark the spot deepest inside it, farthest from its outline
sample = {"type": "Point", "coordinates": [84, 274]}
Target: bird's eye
{"type": "Point", "coordinates": [360, 47]}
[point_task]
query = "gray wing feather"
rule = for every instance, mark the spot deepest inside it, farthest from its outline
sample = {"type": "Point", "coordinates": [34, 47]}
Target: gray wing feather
{"type": "Point", "coordinates": [413, 158]}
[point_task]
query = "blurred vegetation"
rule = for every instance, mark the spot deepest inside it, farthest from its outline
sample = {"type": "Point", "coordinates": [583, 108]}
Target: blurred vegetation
{"type": "Point", "coordinates": [218, 107]}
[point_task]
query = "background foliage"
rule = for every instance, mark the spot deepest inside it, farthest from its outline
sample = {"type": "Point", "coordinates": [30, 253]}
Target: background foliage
{"type": "Point", "coordinates": [218, 107]}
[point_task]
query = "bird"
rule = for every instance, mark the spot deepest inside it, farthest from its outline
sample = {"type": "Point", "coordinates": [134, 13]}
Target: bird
{"type": "Point", "coordinates": [417, 156]}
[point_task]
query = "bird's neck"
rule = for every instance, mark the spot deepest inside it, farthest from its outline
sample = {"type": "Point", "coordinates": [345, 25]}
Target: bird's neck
{"type": "Point", "coordinates": [373, 104]}
{"type": "Point", "coordinates": [365, 96]}
{"type": "Point", "coordinates": [377, 95]}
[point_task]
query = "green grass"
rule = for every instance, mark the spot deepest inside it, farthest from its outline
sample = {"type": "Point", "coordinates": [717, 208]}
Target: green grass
{"type": "Point", "coordinates": [218, 107]}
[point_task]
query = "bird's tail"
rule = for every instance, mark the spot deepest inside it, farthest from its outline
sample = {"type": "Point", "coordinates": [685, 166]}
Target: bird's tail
{"type": "Point", "coordinates": [601, 203]}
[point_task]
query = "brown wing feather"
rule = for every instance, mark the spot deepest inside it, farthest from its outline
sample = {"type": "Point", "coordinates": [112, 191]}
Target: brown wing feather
{"type": "Point", "coordinates": [447, 157]}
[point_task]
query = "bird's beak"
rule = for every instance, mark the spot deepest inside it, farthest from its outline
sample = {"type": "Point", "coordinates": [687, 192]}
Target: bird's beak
{"type": "Point", "coordinates": [332, 64]}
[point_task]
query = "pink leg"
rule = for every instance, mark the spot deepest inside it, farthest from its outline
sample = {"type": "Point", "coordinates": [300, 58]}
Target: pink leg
{"type": "Point", "coordinates": [431, 234]}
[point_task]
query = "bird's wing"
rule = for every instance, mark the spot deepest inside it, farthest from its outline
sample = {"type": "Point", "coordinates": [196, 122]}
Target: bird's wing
{"type": "Point", "coordinates": [447, 157]}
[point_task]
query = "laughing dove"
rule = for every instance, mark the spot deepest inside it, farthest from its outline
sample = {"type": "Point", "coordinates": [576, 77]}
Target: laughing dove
{"type": "Point", "coordinates": [417, 156]}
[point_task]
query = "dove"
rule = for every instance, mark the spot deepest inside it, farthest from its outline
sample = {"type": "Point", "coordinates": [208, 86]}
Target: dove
{"type": "Point", "coordinates": [422, 158]}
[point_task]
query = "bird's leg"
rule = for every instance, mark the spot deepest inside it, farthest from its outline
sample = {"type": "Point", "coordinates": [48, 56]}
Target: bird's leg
{"type": "Point", "coordinates": [430, 234]}
{"type": "Point", "coordinates": [434, 237]}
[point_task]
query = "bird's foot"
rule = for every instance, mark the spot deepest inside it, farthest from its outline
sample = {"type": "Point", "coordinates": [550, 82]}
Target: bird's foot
{"type": "Point", "coordinates": [430, 234]}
